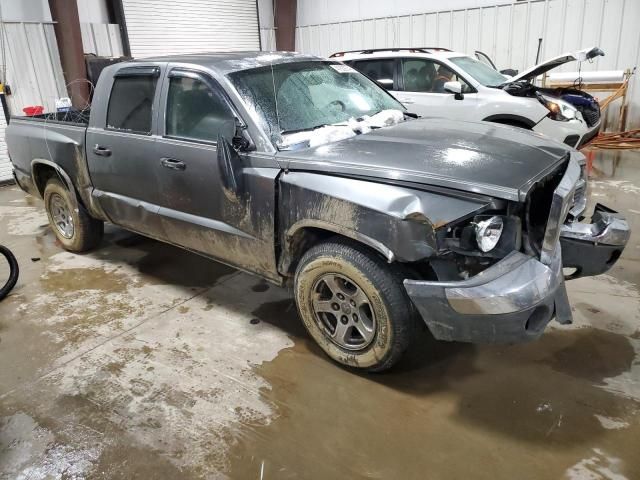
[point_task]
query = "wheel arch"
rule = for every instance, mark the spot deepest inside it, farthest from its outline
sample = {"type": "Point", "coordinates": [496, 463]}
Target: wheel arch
{"type": "Point", "coordinates": [510, 119]}
{"type": "Point", "coordinates": [307, 233]}
{"type": "Point", "coordinates": [43, 170]}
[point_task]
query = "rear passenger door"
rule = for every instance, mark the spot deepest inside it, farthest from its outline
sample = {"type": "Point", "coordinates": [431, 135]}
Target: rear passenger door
{"type": "Point", "coordinates": [121, 151]}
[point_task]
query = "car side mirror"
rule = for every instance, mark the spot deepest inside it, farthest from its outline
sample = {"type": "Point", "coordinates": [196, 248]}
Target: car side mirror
{"type": "Point", "coordinates": [241, 140]}
{"type": "Point", "coordinates": [230, 169]}
{"type": "Point", "coordinates": [455, 88]}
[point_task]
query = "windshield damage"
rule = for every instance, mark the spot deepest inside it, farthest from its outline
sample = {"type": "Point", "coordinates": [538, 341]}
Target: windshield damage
{"type": "Point", "coordinates": [310, 103]}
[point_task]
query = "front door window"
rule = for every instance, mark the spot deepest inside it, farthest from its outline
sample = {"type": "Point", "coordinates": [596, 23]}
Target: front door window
{"type": "Point", "coordinates": [196, 112]}
{"type": "Point", "coordinates": [426, 76]}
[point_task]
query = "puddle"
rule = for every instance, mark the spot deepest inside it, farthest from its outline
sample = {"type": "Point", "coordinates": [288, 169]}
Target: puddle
{"type": "Point", "coordinates": [29, 451]}
{"type": "Point", "coordinates": [491, 403]}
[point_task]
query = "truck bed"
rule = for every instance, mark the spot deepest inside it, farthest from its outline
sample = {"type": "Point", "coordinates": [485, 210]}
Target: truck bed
{"type": "Point", "coordinates": [75, 117]}
{"type": "Point", "coordinates": [52, 137]}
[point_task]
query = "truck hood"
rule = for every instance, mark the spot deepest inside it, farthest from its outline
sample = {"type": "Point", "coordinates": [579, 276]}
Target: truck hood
{"type": "Point", "coordinates": [544, 67]}
{"type": "Point", "coordinates": [478, 157]}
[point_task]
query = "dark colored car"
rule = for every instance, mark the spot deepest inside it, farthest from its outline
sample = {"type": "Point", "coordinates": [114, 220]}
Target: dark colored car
{"type": "Point", "coordinates": [302, 170]}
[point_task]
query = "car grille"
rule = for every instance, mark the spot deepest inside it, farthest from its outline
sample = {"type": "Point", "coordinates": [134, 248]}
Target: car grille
{"type": "Point", "coordinates": [591, 115]}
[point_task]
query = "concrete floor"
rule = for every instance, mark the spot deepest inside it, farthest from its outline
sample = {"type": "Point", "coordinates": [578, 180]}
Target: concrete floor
{"type": "Point", "coordinates": [143, 361]}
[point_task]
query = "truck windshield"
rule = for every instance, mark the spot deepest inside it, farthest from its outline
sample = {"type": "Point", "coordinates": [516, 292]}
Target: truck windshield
{"type": "Point", "coordinates": [290, 98]}
{"type": "Point", "coordinates": [482, 72]}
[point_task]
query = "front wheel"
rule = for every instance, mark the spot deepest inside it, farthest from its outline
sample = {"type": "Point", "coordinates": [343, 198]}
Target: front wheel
{"type": "Point", "coordinates": [354, 306]}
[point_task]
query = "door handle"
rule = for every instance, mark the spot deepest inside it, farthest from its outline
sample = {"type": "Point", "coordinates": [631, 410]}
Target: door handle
{"type": "Point", "coordinates": [173, 163]}
{"type": "Point", "coordinates": [101, 151]}
{"type": "Point", "coordinates": [406, 101]}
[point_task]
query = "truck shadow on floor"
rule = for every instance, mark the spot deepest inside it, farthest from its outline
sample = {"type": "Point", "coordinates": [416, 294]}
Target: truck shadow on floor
{"type": "Point", "coordinates": [553, 389]}
{"type": "Point", "coordinates": [566, 388]}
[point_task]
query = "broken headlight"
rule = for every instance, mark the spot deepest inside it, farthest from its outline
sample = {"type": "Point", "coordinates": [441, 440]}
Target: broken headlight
{"type": "Point", "coordinates": [558, 109]}
{"type": "Point", "coordinates": [488, 233]}
{"type": "Point", "coordinates": [485, 235]}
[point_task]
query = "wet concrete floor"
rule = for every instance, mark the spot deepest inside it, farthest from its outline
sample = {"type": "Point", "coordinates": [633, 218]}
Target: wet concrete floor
{"type": "Point", "coordinates": [139, 360]}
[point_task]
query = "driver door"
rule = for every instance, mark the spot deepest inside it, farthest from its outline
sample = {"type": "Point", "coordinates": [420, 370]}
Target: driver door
{"type": "Point", "coordinates": [198, 209]}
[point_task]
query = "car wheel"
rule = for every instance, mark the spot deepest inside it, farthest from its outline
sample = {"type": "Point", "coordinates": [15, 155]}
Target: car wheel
{"type": "Point", "coordinates": [76, 230]}
{"type": "Point", "coordinates": [354, 305]}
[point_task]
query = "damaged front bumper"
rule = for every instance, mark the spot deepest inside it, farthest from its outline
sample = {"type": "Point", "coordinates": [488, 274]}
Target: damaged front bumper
{"type": "Point", "coordinates": [593, 248]}
{"type": "Point", "coordinates": [514, 299]}
{"type": "Point", "coordinates": [511, 301]}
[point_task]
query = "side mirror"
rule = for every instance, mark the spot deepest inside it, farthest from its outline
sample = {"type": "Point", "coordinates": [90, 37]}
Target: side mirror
{"type": "Point", "coordinates": [230, 168]}
{"type": "Point", "coordinates": [455, 88]}
{"type": "Point", "coordinates": [241, 140]}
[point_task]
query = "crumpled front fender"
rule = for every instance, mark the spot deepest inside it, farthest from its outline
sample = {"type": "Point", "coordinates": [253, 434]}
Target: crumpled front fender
{"type": "Point", "coordinates": [398, 221]}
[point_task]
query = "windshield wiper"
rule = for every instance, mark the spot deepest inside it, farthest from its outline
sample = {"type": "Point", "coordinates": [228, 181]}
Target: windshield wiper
{"type": "Point", "coordinates": [310, 129]}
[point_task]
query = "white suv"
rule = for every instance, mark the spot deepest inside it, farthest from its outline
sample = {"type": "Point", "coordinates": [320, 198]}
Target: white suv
{"type": "Point", "coordinates": [437, 82]}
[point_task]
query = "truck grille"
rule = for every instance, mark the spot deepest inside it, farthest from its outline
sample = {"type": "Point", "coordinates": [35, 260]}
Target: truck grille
{"type": "Point", "coordinates": [568, 197]}
{"type": "Point", "coordinates": [579, 196]}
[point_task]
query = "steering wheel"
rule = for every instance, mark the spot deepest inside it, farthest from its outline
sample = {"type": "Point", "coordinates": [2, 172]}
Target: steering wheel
{"type": "Point", "coordinates": [338, 103]}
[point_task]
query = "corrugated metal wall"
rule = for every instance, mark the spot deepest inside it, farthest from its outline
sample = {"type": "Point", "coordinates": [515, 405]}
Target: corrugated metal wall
{"type": "Point", "coordinates": [508, 33]}
{"type": "Point", "coordinates": [102, 39]}
{"type": "Point", "coordinates": [161, 27]}
{"type": "Point", "coordinates": [268, 39]}
{"type": "Point", "coordinates": [33, 66]}
{"type": "Point", "coordinates": [5, 164]}
{"type": "Point", "coordinates": [267, 30]}
{"type": "Point", "coordinates": [33, 72]}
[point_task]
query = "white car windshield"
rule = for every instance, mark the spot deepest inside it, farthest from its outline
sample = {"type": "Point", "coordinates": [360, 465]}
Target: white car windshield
{"type": "Point", "coordinates": [482, 72]}
{"type": "Point", "coordinates": [290, 98]}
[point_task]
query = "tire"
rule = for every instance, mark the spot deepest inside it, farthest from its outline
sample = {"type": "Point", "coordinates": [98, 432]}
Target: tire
{"type": "Point", "coordinates": [383, 326]}
{"type": "Point", "coordinates": [78, 232]}
{"type": "Point", "coordinates": [13, 272]}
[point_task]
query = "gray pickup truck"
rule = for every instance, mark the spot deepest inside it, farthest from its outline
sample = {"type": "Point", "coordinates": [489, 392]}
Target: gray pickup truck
{"type": "Point", "coordinates": [303, 171]}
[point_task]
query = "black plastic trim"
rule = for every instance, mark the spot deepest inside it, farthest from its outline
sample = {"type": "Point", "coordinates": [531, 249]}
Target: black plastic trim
{"type": "Point", "coordinates": [138, 72]}
{"type": "Point", "coordinates": [507, 117]}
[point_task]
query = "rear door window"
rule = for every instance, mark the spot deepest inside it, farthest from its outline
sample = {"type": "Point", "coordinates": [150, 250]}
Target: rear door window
{"type": "Point", "coordinates": [131, 103]}
{"type": "Point", "coordinates": [382, 71]}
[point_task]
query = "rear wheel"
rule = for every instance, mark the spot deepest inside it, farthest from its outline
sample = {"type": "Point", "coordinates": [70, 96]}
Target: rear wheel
{"type": "Point", "coordinates": [354, 306]}
{"type": "Point", "coordinates": [76, 230]}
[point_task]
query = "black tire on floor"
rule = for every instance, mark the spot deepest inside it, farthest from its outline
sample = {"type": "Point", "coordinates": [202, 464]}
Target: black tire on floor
{"type": "Point", "coordinates": [85, 232]}
{"type": "Point", "coordinates": [13, 272]}
{"type": "Point", "coordinates": [351, 270]}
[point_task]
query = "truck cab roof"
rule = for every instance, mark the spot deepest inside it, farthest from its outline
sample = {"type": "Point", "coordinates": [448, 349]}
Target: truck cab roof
{"type": "Point", "coordinates": [229, 62]}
